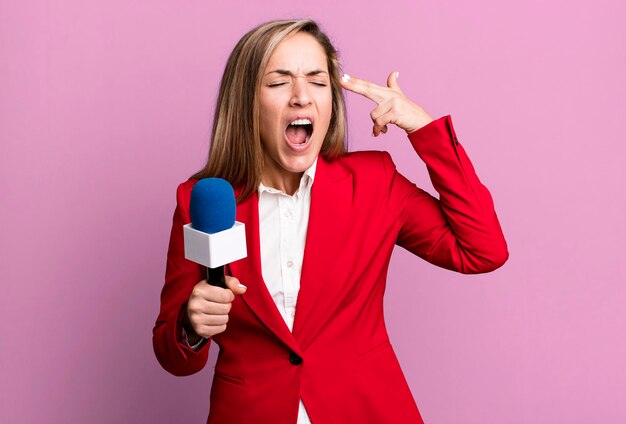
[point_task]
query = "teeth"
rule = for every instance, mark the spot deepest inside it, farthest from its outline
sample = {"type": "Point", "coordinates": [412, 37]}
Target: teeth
{"type": "Point", "coordinates": [301, 122]}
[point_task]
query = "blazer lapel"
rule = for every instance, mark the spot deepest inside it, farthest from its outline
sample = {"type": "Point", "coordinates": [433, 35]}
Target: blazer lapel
{"type": "Point", "coordinates": [331, 201]}
{"type": "Point", "coordinates": [248, 270]}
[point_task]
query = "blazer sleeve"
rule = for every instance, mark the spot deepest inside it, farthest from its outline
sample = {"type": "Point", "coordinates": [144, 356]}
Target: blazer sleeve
{"type": "Point", "coordinates": [460, 231]}
{"type": "Point", "coordinates": [181, 275]}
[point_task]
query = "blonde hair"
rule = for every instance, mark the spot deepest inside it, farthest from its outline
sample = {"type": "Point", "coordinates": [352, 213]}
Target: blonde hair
{"type": "Point", "coordinates": [236, 153]}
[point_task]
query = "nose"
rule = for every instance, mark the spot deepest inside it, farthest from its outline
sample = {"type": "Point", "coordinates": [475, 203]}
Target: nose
{"type": "Point", "coordinates": [300, 95]}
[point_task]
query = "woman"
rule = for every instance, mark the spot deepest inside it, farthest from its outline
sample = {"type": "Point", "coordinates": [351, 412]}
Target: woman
{"type": "Point", "coordinates": [320, 226]}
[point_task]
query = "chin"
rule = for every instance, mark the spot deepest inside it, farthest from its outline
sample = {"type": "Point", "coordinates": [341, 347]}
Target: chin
{"type": "Point", "coordinates": [298, 165]}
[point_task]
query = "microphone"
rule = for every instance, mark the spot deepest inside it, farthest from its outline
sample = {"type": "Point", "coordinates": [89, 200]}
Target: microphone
{"type": "Point", "coordinates": [214, 238]}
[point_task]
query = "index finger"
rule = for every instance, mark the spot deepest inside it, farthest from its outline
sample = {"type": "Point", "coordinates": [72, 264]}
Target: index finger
{"type": "Point", "coordinates": [365, 88]}
{"type": "Point", "coordinates": [216, 294]}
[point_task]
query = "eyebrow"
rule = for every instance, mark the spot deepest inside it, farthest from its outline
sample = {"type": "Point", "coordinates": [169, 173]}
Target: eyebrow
{"type": "Point", "coordinates": [289, 73]}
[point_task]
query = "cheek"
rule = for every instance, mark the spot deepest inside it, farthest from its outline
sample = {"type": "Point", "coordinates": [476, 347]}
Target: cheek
{"type": "Point", "coordinates": [266, 119]}
{"type": "Point", "coordinates": [328, 105]}
{"type": "Point", "coordinates": [327, 112]}
{"type": "Point", "coordinates": [269, 116]}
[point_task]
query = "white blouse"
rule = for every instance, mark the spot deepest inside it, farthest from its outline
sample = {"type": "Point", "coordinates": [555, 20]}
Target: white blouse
{"type": "Point", "coordinates": [283, 223]}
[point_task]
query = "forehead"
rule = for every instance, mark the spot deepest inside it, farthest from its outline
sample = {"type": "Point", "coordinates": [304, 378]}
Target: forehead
{"type": "Point", "coordinates": [300, 51]}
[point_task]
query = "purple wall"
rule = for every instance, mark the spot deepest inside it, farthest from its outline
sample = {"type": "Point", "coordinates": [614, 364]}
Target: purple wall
{"type": "Point", "coordinates": [106, 106]}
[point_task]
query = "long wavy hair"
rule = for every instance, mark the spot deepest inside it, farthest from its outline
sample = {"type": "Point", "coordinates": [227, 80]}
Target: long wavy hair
{"type": "Point", "coordinates": [236, 152]}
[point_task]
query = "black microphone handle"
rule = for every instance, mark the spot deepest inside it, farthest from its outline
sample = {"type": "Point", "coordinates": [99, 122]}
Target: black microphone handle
{"type": "Point", "coordinates": [216, 277]}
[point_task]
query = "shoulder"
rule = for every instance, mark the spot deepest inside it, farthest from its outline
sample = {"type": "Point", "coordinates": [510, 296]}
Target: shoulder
{"type": "Point", "coordinates": [370, 163]}
{"type": "Point", "coordinates": [183, 192]}
{"type": "Point", "coordinates": [371, 173]}
{"type": "Point", "coordinates": [364, 157]}
{"type": "Point", "coordinates": [187, 186]}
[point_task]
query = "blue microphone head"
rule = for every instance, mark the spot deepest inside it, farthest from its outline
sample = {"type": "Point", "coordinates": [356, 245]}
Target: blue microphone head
{"type": "Point", "coordinates": [212, 206]}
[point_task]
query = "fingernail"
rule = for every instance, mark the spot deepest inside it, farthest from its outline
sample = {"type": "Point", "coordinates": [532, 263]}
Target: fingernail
{"type": "Point", "coordinates": [345, 77]}
{"type": "Point", "coordinates": [241, 286]}
{"type": "Point", "coordinates": [397, 74]}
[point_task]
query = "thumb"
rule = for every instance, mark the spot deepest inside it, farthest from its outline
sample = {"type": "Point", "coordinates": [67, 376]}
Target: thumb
{"type": "Point", "coordinates": [233, 284]}
{"type": "Point", "coordinates": [392, 81]}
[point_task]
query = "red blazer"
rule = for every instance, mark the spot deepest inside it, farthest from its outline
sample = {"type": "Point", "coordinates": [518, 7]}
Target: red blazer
{"type": "Point", "coordinates": [338, 358]}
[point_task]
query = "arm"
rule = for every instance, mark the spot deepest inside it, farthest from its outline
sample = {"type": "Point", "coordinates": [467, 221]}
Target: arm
{"type": "Point", "coordinates": [460, 231]}
{"type": "Point", "coordinates": [181, 275]}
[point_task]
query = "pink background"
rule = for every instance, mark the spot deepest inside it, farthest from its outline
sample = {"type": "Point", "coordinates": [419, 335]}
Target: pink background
{"type": "Point", "coordinates": [106, 106]}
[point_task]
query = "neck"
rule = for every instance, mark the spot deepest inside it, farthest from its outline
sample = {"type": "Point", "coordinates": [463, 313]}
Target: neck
{"type": "Point", "coordinates": [287, 182]}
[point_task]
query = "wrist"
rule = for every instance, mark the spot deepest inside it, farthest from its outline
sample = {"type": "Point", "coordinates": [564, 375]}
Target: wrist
{"type": "Point", "coordinates": [420, 126]}
{"type": "Point", "coordinates": [187, 334]}
{"type": "Point", "coordinates": [191, 339]}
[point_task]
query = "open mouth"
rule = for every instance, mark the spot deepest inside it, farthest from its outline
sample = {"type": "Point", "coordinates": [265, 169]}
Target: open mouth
{"type": "Point", "coordinates": [299, 132]}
